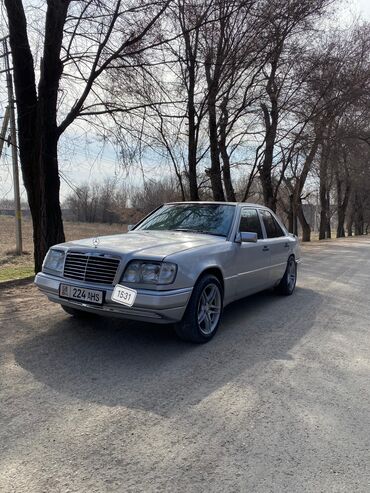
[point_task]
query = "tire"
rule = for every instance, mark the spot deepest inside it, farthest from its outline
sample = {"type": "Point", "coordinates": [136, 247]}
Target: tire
{"type": "Point", "coordinates": [288, 282]}
{"type": "Point", "coordinates": [76, 313]}
{"type": "Point", "coordinates": [202, 318]}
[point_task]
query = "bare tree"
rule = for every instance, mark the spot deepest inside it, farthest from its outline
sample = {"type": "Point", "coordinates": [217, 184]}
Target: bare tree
{"type": "Point", "coordinates": [348, 89]}
{"type": "Point", "coordinates": [285, 20]}
{"type": "Point", "coordinates": [153, 194]}
{"type": "Point", "coordinates": [99, 202]}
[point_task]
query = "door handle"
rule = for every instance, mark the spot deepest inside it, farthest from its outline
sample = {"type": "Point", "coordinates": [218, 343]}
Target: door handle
{"type": "Point", "coordinates": [286, 245]}
{"type": "Point", "coordinates": [265, 249]}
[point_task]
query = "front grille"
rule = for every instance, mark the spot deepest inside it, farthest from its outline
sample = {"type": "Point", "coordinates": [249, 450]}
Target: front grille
{"type": "Point", "coordinates": [90, 268]}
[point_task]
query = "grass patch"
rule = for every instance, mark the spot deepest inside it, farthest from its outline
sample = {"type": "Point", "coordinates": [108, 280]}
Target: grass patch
{"type": "Point", "coordinates": [11, 272]}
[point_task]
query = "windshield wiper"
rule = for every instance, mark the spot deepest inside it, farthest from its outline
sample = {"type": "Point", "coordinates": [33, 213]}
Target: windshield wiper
{"type": "Point", "coordinates": [203, 232]}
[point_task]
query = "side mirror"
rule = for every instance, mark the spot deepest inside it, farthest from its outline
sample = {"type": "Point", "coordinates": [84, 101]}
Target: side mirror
{"type": "Point", "coordinates": [130, 227]}
{"type": "Point", "coordinates": [246, 237]}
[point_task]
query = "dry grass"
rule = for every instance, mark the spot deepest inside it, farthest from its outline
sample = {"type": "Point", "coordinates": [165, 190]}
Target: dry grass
{"type": "Point", "coordinates": [18, 267]}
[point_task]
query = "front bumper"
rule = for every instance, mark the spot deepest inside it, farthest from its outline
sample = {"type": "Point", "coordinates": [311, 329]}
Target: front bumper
{"type": "Point", "coordinates": [150, 306]}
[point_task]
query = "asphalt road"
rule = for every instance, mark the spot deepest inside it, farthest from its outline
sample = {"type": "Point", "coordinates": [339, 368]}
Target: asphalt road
{"type": "Point", "coordinates": [279, 401]}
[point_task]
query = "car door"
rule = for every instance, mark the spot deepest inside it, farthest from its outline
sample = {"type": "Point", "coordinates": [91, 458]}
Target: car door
{"type": "Point", "coordinates": [278, 244]}
{"type": "Point", "coordinates": [251, 260]}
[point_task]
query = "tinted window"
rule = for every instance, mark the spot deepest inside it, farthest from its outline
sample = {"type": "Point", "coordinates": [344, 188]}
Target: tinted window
{"type": "Point", "coordinates": [273, 229]}
{"type": "Point", "coordinates": [214, 219]}
{"type": "Point", "coordinates": [250, 222]}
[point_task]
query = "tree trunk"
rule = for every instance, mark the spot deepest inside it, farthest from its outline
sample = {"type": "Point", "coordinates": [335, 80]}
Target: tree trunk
{"type": "Point", "coordinates": [192, 164]}
{"type": "Point", "coordinates": [340, 227]}
{"type": "Point", "coordinates": [271, 122]}
{"type": "Point", "coordinates": [328, 216]}
{"type": "Point", "coordinates": [37, 127]}
{"type": "Point", "coordinates": [306, 228]}
{"type": "Point", "coordinates": [323, 193]}
{"type": "Point", "coordinates": [295, 217]}
{"type": "Point", "coordinates": [295, 223]}
{"type": "Point", "coordinates": [342, 196]}
{"type": "Point", "coordinates": [342, 210]}
{"type": "Point", "coordinates": [192, 137]}
{"type": "Point", "coordinates": [47, 220]}
{"type": "Point", "coordinates": [291, 214]}
{"type": "Point", "coordinates": [295, 198]}
{"type": "Point", "coordinates": [358, 227]}
{"type": "Point", "coordinates": [229, 189]}
{"type": "Point", "coordinates": [350, 219]}
{"type": "Point", "coordinates": [271, 119]}
{"type": "Point", "coordinates": [214, 172]}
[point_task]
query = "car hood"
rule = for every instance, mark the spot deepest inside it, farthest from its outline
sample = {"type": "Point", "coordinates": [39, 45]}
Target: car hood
{"type": "Point", "coordinates": [146, 243]}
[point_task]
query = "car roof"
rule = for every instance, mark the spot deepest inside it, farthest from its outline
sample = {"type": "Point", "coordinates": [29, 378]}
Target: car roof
{"type": "Point", "coordinates": [203, 202]}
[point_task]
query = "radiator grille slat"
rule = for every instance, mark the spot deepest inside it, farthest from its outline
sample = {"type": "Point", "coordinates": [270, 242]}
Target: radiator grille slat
{"type": "Point", "coordinates": [91, 268]}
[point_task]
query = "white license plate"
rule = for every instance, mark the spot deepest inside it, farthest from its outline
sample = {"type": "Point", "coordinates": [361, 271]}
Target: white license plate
{"type": "Point", "coordinates": [123, 295]}
{"type": "Point", "coordinates": [81, 294]}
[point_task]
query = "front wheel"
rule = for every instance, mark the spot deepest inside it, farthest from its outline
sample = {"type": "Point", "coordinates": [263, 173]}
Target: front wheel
{"type": "Point", "coordinates": [203, 313]}
{"type": "Point", "coordinates": [288, 282]}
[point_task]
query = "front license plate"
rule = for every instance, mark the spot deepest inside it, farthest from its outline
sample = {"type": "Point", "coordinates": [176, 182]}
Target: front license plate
{"type": "Point", "coordinates": [81, 294]}
{"type": "Point", "coordinates": [123, 295]}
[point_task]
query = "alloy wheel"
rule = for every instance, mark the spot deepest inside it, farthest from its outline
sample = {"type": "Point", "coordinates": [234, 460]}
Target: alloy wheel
{"type": "Point", "coordinates": [209, 308]}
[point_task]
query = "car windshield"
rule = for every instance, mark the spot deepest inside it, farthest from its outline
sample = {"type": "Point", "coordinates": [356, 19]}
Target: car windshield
{"type": "Point", "coordinates": [213, 219]}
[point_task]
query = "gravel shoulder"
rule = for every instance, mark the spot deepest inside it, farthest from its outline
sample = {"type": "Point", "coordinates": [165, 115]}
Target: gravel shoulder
{"type": "Point", "coordinates": [279, 401]}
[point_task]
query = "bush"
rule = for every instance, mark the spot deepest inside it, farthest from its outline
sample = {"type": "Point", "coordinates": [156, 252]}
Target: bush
{"type": "Point", "coordinates": [99, 202]}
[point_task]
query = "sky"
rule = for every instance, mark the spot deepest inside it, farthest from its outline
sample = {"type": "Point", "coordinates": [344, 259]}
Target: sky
{"type": "Point", "coordinates": [99, 161]}
{"type": "Point", "coordinates": [362, 7]}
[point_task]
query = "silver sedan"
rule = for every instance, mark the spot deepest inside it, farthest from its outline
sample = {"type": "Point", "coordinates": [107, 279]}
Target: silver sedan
{"type": "Point", "coordinates": [181, 264]}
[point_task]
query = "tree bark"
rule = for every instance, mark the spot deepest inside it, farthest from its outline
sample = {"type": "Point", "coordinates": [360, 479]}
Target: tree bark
{"type": "Point", "coordinates": [271, 123]}
{"type": "Point", "coordinates": [192, 137]}
{"type": "Point", "coordinates": [291, 214]}
{"type": "Point", "coordinates": [323, 192]}
{"type": "Point", "coordinates": [342, 210]}
{"type": "Point", "coordinates": [328, 218]}
{"type": "Point", "coordinates": [342, 182]}
{"type": "Point", "coordinates": [192, 150]}
{"type": "Point", "coordinates": [350, 224]}
{"type": "Point", "coordinates": [226, 172]}
{"type": "Point", "coordinates": [359, 217]}
{"type": "Point", "coordinates": [214, 172]}
{"type": "Point", "coordinates": [271, 119]}
{"type": "Point", "coordinates": [296, 200]}
{"type": "Point", "coordinates": [306, 228]}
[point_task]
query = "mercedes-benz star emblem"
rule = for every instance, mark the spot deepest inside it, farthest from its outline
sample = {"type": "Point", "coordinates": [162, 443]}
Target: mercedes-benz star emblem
{"type": "Point", "coordinates": [96, 242]}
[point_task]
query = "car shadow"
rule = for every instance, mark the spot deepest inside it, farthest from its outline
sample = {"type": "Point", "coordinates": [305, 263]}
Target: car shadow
{"type": "Point", "coordinates": [143, 366]}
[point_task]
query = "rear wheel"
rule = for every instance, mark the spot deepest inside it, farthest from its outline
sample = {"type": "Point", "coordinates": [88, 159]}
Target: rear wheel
{"type": "Point", "coordinates": [288, 282]}
{"type": "Point", "coordinates": [203, 313]}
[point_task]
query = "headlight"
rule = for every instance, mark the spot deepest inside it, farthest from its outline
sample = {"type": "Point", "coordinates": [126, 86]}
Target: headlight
{"type": "Point", "coordinates": [141, 271]}
{"type": "Point", "coordinates": [54, 260]}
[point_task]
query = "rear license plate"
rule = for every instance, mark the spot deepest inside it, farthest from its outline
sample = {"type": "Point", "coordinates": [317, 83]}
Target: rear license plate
{"type": "Point", "coordinates": [123, 295]}
{"type": "Point", "coordinates": [81, 294]}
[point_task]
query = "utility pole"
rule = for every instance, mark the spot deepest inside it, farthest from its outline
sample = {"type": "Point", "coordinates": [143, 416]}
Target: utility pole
{"type": "Point", "coordinates": [13, 139]}
{"type": "Point", "coordinates": [4, 128]}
